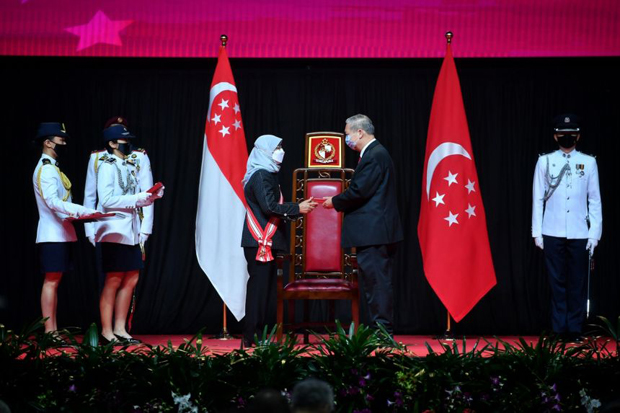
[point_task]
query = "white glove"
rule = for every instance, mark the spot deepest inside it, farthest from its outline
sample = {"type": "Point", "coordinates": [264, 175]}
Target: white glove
{"type": "Point", "coordinates": [144, 199]}
{"type": "Point", "coordinates": [592, 243]}
{"type": "Point", "coordinates": [91, 239]}
{"type": "Point", "coordinates": [86, 211]}
{"type": "Point", "coordinates": [143, 238]}
{"type": "Point", "coordinates": [160, 193]}
{"type": "Point", "coordinates": [539, 242]}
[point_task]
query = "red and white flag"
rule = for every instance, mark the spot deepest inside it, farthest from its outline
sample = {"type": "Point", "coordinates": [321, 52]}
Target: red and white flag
{"type": "Point", "coordinates": [452, 228]}
{"type": "Point", "coordinates": [221, 204]}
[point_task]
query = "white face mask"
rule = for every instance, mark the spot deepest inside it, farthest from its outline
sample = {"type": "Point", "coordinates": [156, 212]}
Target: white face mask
{"type": "Point", "coordinates": [278, 155]}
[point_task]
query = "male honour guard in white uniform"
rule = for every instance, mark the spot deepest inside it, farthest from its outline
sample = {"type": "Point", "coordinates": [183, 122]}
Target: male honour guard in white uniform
{"type": "Point", "coordinates": [52, 190]}
{"type": "Point", "coordinates": [567, 223]}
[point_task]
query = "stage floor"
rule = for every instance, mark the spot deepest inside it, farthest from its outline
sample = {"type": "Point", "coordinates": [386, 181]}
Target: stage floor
{"type": "Point", "coordinates": [416, 344]}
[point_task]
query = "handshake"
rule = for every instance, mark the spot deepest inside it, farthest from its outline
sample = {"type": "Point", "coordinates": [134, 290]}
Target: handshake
{"type": "Point", "coordinates": [305, 207]}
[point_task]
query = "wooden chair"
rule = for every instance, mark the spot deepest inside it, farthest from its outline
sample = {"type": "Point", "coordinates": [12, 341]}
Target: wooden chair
{"type": "Point", "coordinates": [319, 269]}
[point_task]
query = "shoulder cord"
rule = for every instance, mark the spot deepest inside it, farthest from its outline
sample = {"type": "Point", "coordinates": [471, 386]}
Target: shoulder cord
{"type": "Point", "coordinates": [552, 181]}
{"type": "Point", "coordinates": [66, 183]}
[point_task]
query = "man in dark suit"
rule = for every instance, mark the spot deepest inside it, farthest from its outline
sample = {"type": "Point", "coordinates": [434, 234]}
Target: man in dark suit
{"type": "Point", "coordinates": [371, 221]}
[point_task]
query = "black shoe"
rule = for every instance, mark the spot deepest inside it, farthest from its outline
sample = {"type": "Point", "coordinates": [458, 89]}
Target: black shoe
{"type": "Point", "coordinates": [104, 341]}
{"type": "Point", "coordinates": [576, 338]}
{"type": "Point", "coordinates": [129, 340]}
{"type": "Point", "coordinates": [245, 343]}
{"type": "Point", "coordinates": [60, 340]}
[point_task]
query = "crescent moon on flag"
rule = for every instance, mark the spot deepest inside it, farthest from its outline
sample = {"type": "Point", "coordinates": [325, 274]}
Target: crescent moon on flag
{"type": "Point", "coordinates": [439, 153]}
{"type": "Point", "coordinates": [216, 90]}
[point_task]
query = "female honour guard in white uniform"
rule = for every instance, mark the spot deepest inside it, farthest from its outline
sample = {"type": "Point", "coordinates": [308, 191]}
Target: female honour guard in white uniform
{"type": "Point", "coordinates": [142, 163]}
{"type": "Point", "coordinates": [52, 190]}
{"type": "Point", "coordinates": [567, 223]}
{"type": "Point", "coordinates": [118, 191]}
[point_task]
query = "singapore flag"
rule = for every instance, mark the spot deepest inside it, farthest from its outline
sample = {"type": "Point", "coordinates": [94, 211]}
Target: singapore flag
{"type": "Point", "coordinates": [221, 204]}
{"type": "Point", "coordinates": [452, 226]}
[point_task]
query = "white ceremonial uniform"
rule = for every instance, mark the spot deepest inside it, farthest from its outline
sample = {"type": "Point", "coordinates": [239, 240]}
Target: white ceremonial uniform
{"type": "Point", "coordinates": [117, 189]}
{"type": "Point", "coordinates": [52, 191]}
{"type": "Point", "coordinates": [575, 201]}
{"type": "Point", "coordinates": [145, 181]}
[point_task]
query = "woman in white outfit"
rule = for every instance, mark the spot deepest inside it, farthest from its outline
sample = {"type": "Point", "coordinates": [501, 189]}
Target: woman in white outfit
{"type": "Point", "coordinates": [117, 190]}
{"type": "Point", "coordinates": [52, 190]}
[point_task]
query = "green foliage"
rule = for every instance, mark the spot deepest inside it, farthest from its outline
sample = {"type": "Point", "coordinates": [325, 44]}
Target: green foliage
{"type": "Point", "coordinates": [368, 370]}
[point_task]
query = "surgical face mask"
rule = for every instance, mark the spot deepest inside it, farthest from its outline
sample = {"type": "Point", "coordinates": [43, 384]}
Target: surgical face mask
{"type": "Point", "coordinates": [278, 155]}
{"type": "Point", "coordinates": [350, 142]}
{"type": "Point", "coordinates": [125, 148]}
{"type": "Point", "coordinates": [567, 140]}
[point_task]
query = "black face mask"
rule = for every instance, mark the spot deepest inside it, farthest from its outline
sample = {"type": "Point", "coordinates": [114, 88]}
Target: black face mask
{"type": "Point", "coordinates": [125, 148]}
{"type": "Point", "coordinates": [59, 149]}
{"type": "Point", "coordinates": [567, 141]}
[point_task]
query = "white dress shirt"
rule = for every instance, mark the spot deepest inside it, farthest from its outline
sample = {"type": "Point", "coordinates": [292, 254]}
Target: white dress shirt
{"type": "Point", "coordinates": [366, 146]}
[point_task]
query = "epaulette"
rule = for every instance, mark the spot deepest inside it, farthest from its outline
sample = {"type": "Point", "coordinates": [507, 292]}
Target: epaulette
{"type": "Point", "coordinates": [104, 157]}
{"type": "Point", "coordinates": [110, 159]}
{"type": "Point", "coordinates": [46, 161]}
{"type": "Point", "coordinates": [141, 150]}
{"type": "Point", "coordinates": [545, 154]}
{"type": "Point", "coordinates": [98, 151]}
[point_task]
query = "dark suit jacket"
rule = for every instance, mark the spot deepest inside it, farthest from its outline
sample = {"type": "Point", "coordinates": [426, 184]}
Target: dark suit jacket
{"type": "Point", "coordinates": [262, 194]}
{"type": "Point", "coordinates": [369, 204]}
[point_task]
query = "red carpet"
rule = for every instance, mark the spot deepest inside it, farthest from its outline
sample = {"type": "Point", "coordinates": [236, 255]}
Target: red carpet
{"type": "Point", "coordinates": [416, 344]}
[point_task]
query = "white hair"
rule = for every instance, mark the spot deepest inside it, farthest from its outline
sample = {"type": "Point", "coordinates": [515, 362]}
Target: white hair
{"type": "Point", "coordinates": [362, 122]}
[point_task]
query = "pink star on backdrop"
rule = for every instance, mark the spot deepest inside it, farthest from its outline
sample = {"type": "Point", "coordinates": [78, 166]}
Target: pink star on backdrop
{"type": "Point", "coordinates": [100, 29]}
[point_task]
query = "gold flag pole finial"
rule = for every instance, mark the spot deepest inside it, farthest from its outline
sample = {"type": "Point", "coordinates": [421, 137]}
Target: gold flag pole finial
{"type": "Point", "coordinates": [449, 37]}
{"type": "Point", "coordinates": [224, 39]}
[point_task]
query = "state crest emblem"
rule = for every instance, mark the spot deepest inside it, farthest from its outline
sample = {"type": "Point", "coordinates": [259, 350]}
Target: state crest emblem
{"type": "Point", "coordinates": [324, 152]}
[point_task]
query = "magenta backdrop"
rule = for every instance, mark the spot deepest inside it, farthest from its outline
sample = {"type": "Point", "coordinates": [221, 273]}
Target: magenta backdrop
{"type": "Point", "coordinates": [312, 28]}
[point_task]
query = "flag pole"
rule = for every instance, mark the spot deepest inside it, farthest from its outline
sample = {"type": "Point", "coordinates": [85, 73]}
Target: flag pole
{"type": "Point", "coordinates": [590, 268]}
{"type": "Point", "coordinates": [224, 334]}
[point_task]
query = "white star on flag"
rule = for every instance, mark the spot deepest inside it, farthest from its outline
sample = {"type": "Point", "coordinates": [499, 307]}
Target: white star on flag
{"type": "Point", "coordinates": [216, 119]}
{"type": "Point", "coordinates": [224, 131]}
{"type": "Point", "coordinates": [451, 218]}
{"type": "Point", "coordinates": [451, 178]}
{"type": "Point", "coordinates": [470, 186]}
{"type": "Point", "coordinates": [237, 124]}
{"type": "Point", "coordinates": [439, 199]}
{"type": "Point", "coordinates": [236, 108]}
{"type": "Point", "coordinates": [471, 210]}
{"type": "Point", "coordinates": [223, 104]}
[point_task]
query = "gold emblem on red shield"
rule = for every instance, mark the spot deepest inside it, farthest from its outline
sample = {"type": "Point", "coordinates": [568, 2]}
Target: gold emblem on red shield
{"type": "Point", "coordinates": [324, 152]}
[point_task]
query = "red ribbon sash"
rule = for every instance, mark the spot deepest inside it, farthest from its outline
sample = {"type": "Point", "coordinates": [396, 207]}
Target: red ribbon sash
{"type": "Point", "coordinates": [263, 237]}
